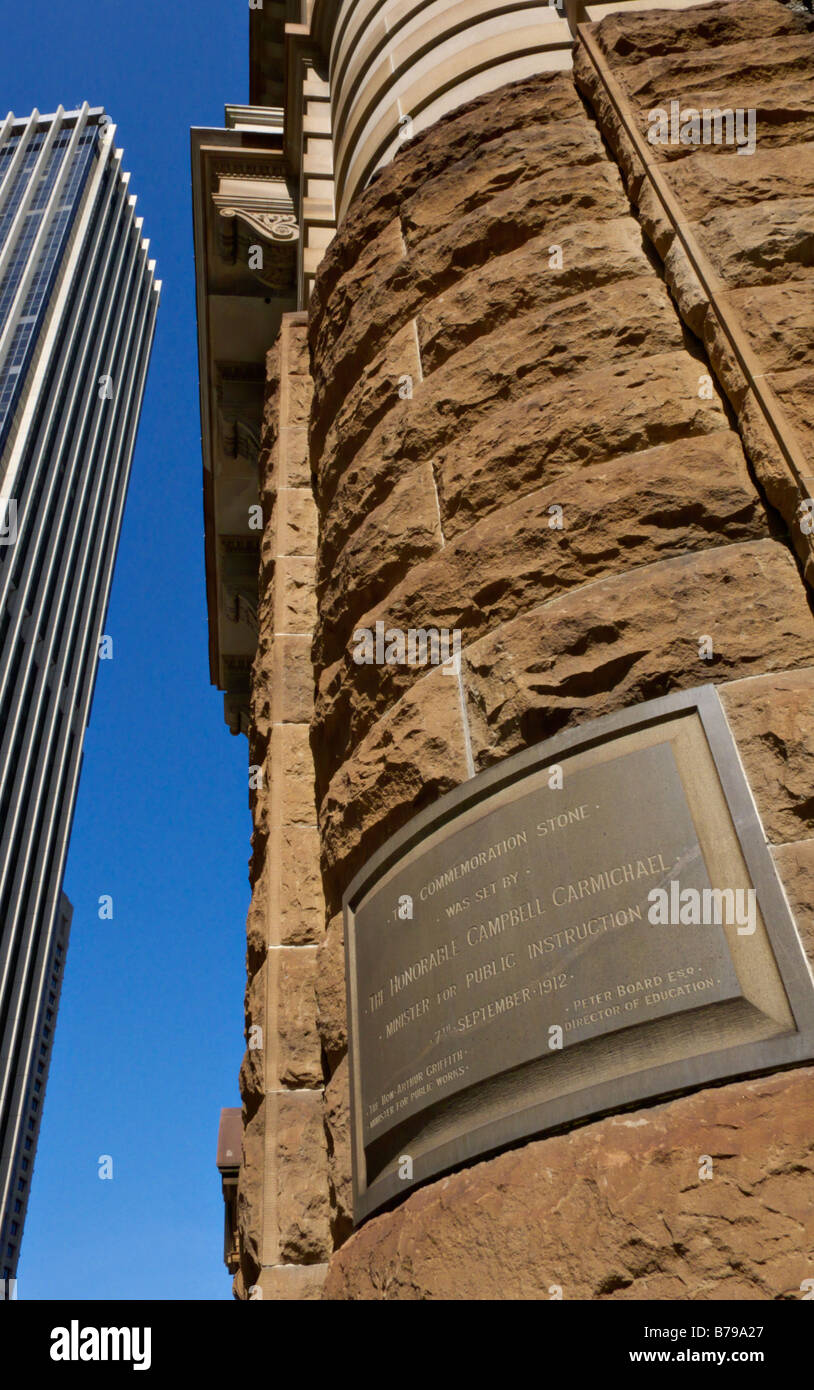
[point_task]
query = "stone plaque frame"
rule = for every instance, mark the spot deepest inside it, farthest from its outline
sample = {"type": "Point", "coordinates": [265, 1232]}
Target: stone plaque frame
{"type": "Point", "coordinates": [686, 1047]}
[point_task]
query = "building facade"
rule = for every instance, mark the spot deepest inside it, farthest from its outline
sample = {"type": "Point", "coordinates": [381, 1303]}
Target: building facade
{"type": "Point", "coordinates": [78, 300]}
{"type": "Point", "coordinates": [24, 1126]}
{"type": "Point", "coordinates": [536, 376]}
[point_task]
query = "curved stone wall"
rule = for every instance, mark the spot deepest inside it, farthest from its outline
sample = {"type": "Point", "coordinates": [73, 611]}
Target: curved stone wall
{"type": "Point", "coordinates": [491, 340]}
{"type": "Point", "coordinates": [397, 66]}
{"type": "Point", "coordinates": [685, 1201]}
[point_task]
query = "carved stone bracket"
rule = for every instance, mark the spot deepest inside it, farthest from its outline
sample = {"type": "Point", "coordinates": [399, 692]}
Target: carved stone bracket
{"type": "Point", "coordinates": [242, 230]}
{"type": "Point", "coordinates": [270, 226]}
{"type": "Point", "coordinates": [240, 409]}
{"type": "Point", "coordinates": [241, 606]}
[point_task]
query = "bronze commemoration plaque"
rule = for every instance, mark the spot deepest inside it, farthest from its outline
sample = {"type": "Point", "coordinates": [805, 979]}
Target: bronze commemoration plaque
{"type": "Point", "coordinates": [593, 922]}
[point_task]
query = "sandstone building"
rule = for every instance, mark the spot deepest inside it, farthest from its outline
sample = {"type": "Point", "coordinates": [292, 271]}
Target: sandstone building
{"type": "Point", "coordinates": [450, 287]}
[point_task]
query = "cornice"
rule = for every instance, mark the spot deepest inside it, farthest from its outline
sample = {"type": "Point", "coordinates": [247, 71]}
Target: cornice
{"type": "Point", "coordinates": [272, 166]}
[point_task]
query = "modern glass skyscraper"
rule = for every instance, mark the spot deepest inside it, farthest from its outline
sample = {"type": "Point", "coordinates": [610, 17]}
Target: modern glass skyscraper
{"type": "Point", "coordinates": [78, 301]}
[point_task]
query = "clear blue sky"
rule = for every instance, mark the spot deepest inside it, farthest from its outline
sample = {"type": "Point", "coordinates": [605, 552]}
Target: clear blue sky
{"type": "Point", "coordinates": [150, 1030]}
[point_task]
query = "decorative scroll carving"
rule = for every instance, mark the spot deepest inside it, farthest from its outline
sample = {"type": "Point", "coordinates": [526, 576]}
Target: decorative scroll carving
{"type": "Point", "coordinates": [240, 409]}
{"type": "Point", "coordinates": [241, 606]}
{"type": "Point", "coordinates": [240, 441]}
{"type": "Point", "coordinates": [269, 226]}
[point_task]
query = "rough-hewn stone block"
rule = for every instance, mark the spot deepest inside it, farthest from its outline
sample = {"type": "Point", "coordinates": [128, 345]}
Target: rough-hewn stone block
{"type": "Point", "coordinates": [795, 865]}
{"type": "Point", "coordinates": [294, 600]}
{"type": "Point", "coordinates": [301, 909]}
{"type": "Point", "coordinates": [302, 1193]}
{"type": "Point", "coordinates": [294, 1051]}
{"type": "Point", "coordinates": [745, 216]}
{"type": "Point", "coordinates": [390, 538]}
{"type": "Point", "coordinates": [292, 1283]}
{"type": "Point", "coordinates": [772, 718]}
{"type": "Point", "coordinates": [393, 375]}
{"type": "Point", "coordinates": [294, 466]}
{"type": "Point", "coordinates": [616, 1209]}
{"type": "Point", "coordinates": [576, 422]}
{"type": "Point", "coordinates": [524, 281]}
{"type": "Point", "coordinates": [290, 683]}
{"type": "Point", "coordinates": [410, 757]}
{"type": "Point", "coordinates": [329, 987]}
{"type": "Point", "coordinates": [633, 637]}
{"type": "Point", "coordinates": [296, 522]}
{"type": "Point", "coordinates": [337, 1121]}
{"type": "Point", "coordinates": [688, 495]}
{"type": "Point", "coordinates": [250, 1193]}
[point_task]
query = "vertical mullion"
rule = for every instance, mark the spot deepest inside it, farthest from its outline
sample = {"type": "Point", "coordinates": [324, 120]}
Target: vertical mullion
{"type": "Point", "coordinates": [59, 555]}
{"type": "Point", "coordinates": [18, 157]}
{"type": "Point", "coordinates": [63, 369]}
{"type": "Point", "coordinates": [7, 332]}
